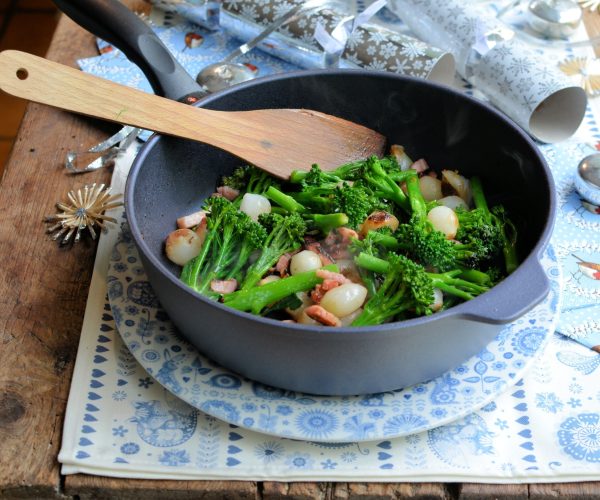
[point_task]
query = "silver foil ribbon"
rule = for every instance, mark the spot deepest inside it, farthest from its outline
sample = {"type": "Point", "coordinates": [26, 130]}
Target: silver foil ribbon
{"type": "Point", "coordinates": [202, 12]}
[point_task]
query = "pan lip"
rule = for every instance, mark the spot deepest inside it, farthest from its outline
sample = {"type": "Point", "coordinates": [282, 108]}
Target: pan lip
{"type": "Point", "coordinates": [460, 311]}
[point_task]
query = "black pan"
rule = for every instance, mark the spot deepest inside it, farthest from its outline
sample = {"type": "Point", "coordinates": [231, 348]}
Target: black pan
{"type": "Point", "coordinates": [171, 177]}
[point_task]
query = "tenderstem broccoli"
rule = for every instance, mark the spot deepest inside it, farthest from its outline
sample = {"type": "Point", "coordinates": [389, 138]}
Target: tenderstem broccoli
{"type": "Point", "coordinates": [231, 237]}
{"type": "Point", "coordinates": [257, 298]}
{"type": "Point", "coordinates": [285, 234]}
{"type": "Point", "coordinates": [448, 282]}
{"type": "Point", "coordinates": [406, 287]}
{"type": "Point", "coordinates": [250, 179]}
{"type": "Point", "coordinates": [491, 230]}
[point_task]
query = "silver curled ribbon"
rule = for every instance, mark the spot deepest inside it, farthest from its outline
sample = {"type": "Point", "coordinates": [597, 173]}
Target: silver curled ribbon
{"type": "Point", "coordinates": [334, 43]}
{"type": "Point", "coordinates": [486, 39]}
{"type": "Point", "coordinates": [108, 150]}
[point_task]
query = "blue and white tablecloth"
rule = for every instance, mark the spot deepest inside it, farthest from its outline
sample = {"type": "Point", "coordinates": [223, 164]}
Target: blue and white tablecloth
{"type": "Point", "coordinates": [543, 427]}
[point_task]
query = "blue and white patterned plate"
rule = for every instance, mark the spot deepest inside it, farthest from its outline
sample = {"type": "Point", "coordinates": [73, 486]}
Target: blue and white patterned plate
{"type": "Point", "coordinates": [180, 368]}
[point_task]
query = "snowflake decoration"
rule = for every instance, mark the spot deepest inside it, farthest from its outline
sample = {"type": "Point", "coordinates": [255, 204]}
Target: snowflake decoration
{"type": "Point", "coordinates": [85, 209]}
{"type": "Point", "coordinates": [587, 73]}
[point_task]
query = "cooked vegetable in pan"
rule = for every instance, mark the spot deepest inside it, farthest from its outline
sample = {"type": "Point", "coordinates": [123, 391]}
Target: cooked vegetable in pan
{"type": "Point", "coordinates": [374, 241]}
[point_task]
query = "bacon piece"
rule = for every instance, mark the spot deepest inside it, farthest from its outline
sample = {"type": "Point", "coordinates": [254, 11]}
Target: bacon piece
{"type": "Point", "coordinates": [330, 275]}
{"type": "Point", "coordinates": [317, 294]}
{"type": "Point", "coordinates": [328, 284]}
{"type": "Point", "coordinates": [347, 234]}
{"type": "Point", "coordinates": [320, 290]}
{"type": "Point", "coordinates": [420, 166]}
{"type": "Point", "coordinates": [283, 263]}
{"type": "Point", "coordinates": [191, 220]}
{"type": "Point", "coordinates": [228, 192]}
{"type": "Point", "coordinates": [224, 286]}
{"type": "Point", "coordinates": [323, 316]}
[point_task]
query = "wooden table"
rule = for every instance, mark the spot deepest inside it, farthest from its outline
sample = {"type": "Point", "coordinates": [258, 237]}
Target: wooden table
{"type": "Point", "coordinates": [43, 291]}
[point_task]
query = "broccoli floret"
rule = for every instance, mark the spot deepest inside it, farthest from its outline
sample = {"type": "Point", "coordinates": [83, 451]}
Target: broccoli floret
{"type": "Point", "coordinates": [406, 287]}
{"type": "Point", "coordinates": [357, 201]}
{"type": "Point", "coordinates": [383, 185]}
{"type": "Point", "coordinates": [256, 299]}
{"type": "Point", "coordinates": [250, 179]}
{"type": "Point", "coordinates": [285, 234]}
{"type": "Point", "coordinates": [489, 232]}
{"type": "Point", "coordinates": [231, 238]}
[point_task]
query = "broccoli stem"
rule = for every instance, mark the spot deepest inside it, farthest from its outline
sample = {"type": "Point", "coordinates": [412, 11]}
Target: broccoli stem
{"type": "Point", "coordinates": [415, 197]}
{"type": "Point", "coordinates": [328, 222]}
{"type": "Point", "coordinates": [385, 240]}
{"type": "Point", "coordinates": [475, 276]}
{"type": "Point", "coordinates": [255, 299]}
{"type": "Point", "coordinates": [283, 200]}
{"type": "Point", "coordinates": [372, 263]}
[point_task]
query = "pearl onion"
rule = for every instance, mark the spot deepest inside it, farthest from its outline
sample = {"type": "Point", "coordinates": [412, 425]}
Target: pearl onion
{"type": "Point", "coordinates": [431, 188]}
{"type": "Point", "coordinates": [444, 219]}
{"type": "Point", "coordinates": [453, 202]}
{"type": "Point", "coordinates": [304, 261]}
{"type": "Point", "coordinates": [182, 245]}
{"type": "Point", "coordinates": [344, 299]}
{"type": "Point", "coordinates": [254, 204]}
{"type": "Point", "coordinates": [377, 220]}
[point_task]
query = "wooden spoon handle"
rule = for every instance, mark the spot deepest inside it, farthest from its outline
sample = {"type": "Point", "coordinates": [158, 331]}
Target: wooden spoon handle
{"type": "Point", "coordinates": [37, 79]}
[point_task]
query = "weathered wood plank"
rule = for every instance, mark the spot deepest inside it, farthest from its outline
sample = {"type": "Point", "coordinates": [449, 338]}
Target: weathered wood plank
{"type": "Point", "coordinates": [87, 487]}
{"type": "Point", "coordinates": [565, 491]}
{"type": "Point", "coordinates": [372, 491]}
{"type": "Point", "coordinates": [473, 491]}
{"type": "Point", "coordinates": [271, 490]}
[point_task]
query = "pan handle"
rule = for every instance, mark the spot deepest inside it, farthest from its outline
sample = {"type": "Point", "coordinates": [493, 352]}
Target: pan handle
{"type": "Point", "coordinates": [510, 298]}
{"type": "Point", "coordinates": [115, 23]}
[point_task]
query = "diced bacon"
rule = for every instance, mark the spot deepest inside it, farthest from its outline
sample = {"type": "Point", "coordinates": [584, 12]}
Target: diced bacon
{"type": "Point", "coordinates": [283, 263]}
{"type": "Point", "coordinates": [228, 192]}
{"type": "Point", "coordinates": [420, 166]}
{"type": "Point", "coordinates": [330, 275]}
{"type": "Point", "coordinates": [223, 286]}
{"type": "Point", "coordinates": [328, 284]}
{"type": "Point", "coordinates": [347, 234]}
{"type": "Point", "coordinates": [322, 316]}
{"type": "Point", "coordinates": [191, 220]}
{"type": "Point", "coordinates": [317, 294]}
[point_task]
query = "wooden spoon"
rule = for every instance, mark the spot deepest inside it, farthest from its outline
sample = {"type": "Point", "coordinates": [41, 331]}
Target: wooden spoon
{"type": "Point", "coordinates": [276, 140]}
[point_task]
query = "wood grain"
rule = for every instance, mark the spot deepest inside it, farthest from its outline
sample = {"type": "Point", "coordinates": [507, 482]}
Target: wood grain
{"type": "Point", "coordinates": [43, 291]}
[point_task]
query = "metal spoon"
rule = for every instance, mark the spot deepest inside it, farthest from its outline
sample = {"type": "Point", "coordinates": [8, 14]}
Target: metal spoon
{"type": "Point", "coordinates": [223, 74]}
{"type": "Point", "coordinates": [587, 178]}
{"type": "Point", "coordinates": [554, 18]}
